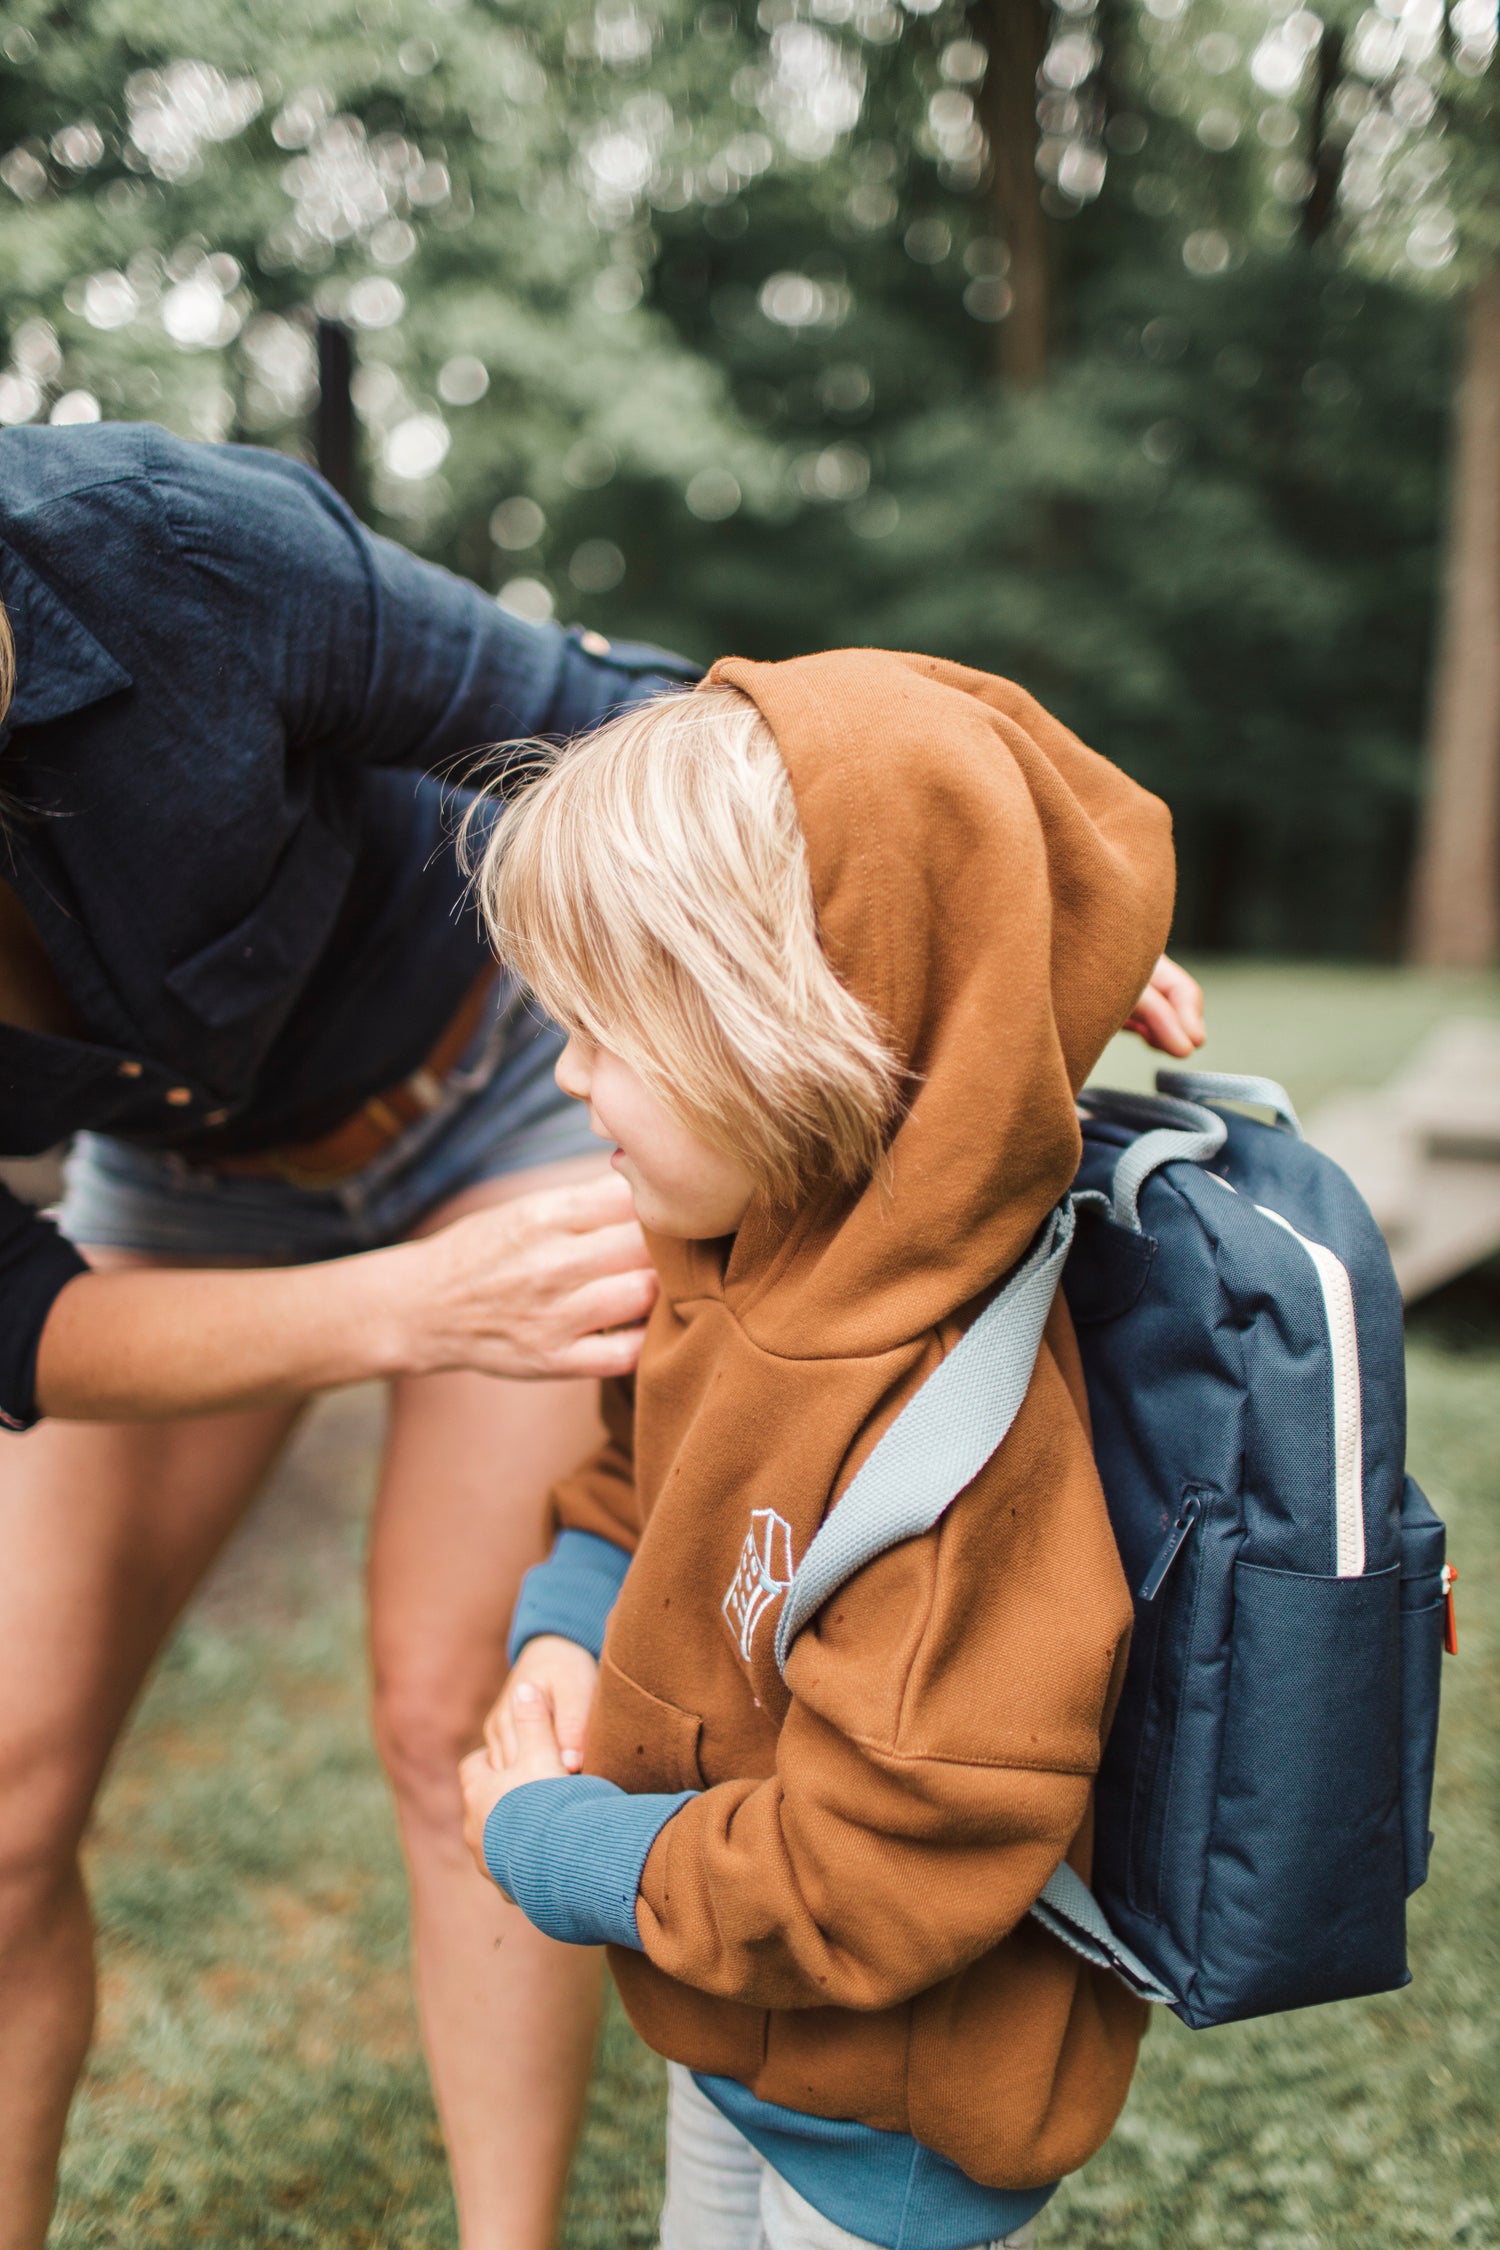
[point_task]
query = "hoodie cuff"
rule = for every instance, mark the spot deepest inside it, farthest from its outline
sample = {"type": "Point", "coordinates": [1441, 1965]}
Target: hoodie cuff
{"type": "Point", "coordinates": [571, 1593]}
{"type": "Point", "coordinates": [570, 1853]}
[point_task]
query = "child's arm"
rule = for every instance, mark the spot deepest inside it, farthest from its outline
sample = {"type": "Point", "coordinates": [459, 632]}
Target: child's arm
{"type": "Point", "coordinates": [558, 1628]}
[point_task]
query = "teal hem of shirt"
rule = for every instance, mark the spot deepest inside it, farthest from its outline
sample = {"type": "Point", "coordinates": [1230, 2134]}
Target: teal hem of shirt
{"type": "Point", "coordinates": [571, 1593]}
{"type": "Point", "coordinates": [883, 2187]}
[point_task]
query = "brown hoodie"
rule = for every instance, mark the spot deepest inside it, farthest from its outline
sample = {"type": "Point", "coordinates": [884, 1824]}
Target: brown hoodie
{"type": "Point", "coordinates": [838, 1920]}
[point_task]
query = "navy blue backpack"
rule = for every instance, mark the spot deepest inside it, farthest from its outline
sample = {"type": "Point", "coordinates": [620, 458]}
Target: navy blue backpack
{"type": "Point", "coordinates": [1264, 1797]}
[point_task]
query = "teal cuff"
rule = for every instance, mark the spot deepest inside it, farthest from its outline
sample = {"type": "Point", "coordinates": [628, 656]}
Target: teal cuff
{"type": "Point", "coordinates": [570, 1852]}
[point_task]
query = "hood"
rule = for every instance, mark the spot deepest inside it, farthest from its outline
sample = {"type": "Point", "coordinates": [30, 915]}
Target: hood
{"type": "Point", "coordinates": [997, 895]}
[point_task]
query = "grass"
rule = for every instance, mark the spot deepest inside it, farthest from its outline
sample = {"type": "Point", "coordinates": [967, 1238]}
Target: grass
{"type": "Point", "coordinates": [256, 2079]}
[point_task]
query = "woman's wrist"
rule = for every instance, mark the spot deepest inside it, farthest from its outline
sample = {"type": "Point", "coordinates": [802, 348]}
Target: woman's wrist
{"type": "Point", "coordinates": [152, 1343]}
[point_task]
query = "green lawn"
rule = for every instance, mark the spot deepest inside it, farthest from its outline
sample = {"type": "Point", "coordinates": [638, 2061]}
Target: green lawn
{"type": "Point", "coordinates": [256, 2081]}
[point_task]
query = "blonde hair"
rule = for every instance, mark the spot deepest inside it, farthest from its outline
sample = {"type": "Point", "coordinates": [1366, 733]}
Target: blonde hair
{"type": "Point", "coordinates": [651, 887]}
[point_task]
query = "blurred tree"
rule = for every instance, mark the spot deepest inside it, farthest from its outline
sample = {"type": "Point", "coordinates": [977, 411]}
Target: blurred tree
{"type": "Point", "coordinates": [687, 315]}
{"type": "Point", "coordinates": [1456, 894]}
{"type": "Point", "coordinates": [188, 196]}
{"type": "Point", "coordinates": [1016, 35]}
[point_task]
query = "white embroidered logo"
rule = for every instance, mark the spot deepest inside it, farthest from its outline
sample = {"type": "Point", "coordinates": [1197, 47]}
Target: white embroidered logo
{"type": "Point", "coordinates": [764, 1571]}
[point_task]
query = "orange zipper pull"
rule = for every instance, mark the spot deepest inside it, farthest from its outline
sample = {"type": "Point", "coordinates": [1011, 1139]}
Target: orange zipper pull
{"type": "Point", "coordinates": [1450, 1621]}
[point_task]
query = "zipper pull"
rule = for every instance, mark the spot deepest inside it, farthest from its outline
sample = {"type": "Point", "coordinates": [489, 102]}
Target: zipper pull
{"type": "Point", "coordinates": [1450, 1621]}
{"type": "Point", "coordinates": [1167, 1552]}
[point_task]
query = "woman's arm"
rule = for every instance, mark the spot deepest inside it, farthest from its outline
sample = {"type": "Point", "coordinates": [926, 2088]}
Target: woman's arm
{"type": "Point", "coordinates": [521, 1290]}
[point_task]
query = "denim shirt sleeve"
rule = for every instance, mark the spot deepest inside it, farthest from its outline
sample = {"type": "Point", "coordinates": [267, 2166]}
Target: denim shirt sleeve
{"type": "Point", "coordinates": [450, 669]}
{"type": "Point", "coordinates": [373, 649]}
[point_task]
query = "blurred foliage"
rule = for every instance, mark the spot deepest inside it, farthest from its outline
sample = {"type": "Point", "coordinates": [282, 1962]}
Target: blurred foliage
{"type": "Point", "coordinates": [684, 321]}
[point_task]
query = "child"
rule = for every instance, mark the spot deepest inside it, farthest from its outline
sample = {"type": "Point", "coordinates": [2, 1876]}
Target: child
{"type": "Point", "coordinates": [836, 941]}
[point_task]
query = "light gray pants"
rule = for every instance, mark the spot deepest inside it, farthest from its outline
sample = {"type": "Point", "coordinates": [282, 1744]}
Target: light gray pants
{"type": "Point", "coordinates": [722, 2196]}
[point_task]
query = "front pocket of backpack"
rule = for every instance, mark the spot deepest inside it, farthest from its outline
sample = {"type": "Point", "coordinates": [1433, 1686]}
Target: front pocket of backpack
{"type": "Point", "coordinates": [1305, 1899]}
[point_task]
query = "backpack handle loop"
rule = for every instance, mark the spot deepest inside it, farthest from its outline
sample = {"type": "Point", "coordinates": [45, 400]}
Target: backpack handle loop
{"type": "Point", "coordinates": [1178, 1132]}
{"type": "Point", "coordinates": [1229, 1086]}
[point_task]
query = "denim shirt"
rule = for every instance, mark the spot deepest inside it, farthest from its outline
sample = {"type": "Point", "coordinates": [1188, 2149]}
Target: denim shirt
{"type": "Point", "coordinates": [228, 777]}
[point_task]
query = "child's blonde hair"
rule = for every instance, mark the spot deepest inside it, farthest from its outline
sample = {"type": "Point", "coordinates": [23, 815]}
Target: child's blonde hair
{"type": "Point", "coordinates": [652, 888]}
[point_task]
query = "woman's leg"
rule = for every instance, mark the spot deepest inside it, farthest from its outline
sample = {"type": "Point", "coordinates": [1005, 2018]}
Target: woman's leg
{"type": "Point", "coordinates": [509, 2017]}
{"type": "Point", "coordinates": [104, 1532]}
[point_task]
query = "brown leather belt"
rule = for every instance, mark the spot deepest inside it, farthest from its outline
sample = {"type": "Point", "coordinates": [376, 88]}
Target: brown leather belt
{"type": "Point", "coordinates": [378, 1123]}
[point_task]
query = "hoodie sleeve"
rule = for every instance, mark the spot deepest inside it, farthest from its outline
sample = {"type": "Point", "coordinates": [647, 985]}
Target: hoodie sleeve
{"type": "Point", "coordinates": [856, 1877]}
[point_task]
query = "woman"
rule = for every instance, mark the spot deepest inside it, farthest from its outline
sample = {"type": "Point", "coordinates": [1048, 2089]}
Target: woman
{"type": "Point", "coordinates": [319, 1142]}
{"type": "Point", "coordinates": [234, 957]}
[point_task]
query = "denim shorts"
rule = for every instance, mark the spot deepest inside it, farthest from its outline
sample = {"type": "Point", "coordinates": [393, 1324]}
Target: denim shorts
{"type": "Point", "coordinates": [501, 1111]}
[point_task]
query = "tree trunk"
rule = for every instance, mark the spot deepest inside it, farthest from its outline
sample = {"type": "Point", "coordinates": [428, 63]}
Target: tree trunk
{"type": "Point", "coordinates": [1456, 894]}
{"type": "Point", "coordinates": [1016, 33]}
{"type": "Point", "coordinates": [1325, 155]}
{"type": "Point", "coordinates": [335, 431]}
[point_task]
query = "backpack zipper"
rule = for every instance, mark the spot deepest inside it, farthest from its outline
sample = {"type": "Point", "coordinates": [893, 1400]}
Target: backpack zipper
{"type": "Point", "coordinates": [1348, 1421]}
{"type": "Point", "coordinates": [1348, 1432]}
{"type": "Point", "coordinates": [1167, 1553]}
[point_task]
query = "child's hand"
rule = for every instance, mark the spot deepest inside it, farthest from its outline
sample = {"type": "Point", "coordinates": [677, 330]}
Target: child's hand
{"type": "Point", "coordinates": [1169, 1013]}
{"type": "Point", "coordinates": [566, 1676]}
{"type": "Point", "coordinates": [484, 1782]}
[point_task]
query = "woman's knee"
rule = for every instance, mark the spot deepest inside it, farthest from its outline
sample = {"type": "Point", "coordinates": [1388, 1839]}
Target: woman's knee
{"type": "Point", "coordinates": [423, 1726]}
{"type": "Point", "coordinates": [44, 1806]}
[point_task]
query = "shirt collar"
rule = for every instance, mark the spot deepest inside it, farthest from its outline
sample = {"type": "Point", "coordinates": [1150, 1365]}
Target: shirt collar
{"type": "Point", "coordinates": [60, 667]}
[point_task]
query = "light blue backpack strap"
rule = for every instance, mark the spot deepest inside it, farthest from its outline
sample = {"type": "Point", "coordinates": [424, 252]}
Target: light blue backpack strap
{"type": "Point", "coordinates": [1069, 1909]}
{"type": "Point", "coordinates": [935, 1447]}
{"type": "Point", "coordinates": [1176, 1132]}
{"type": "Point", "coordinates": [1229, 1086]}
{"type": "Point", "coordinates": [941, 1440]}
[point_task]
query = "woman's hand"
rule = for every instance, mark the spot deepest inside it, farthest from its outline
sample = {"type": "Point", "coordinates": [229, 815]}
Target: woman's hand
{"type": "Point", "coordinates": [565, 1676]}
{"type": "Point", "coordinates": [557, 1283]}
{"type": "Point", "coordinates": [537, 1758]}
{"type": "Point", "coordinates": [1169, 1013]}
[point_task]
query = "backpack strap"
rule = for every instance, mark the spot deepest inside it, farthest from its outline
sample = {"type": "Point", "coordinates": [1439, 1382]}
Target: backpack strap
{"type": "Point", "coordinates": [1069, 1909]}
{"type": "Point", "coordinates": [935, 1447]}
{"type": "Point", "coordinates": [942, 1437]}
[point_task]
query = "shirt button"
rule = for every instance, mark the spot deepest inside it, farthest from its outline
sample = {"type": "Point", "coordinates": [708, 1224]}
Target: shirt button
{"type": "Point", "coordinates": [593, 644]}
{"type": "Point", "coordinates": [130, 1070]}
{"type": "Point", "coordinates": [179, 1096]}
